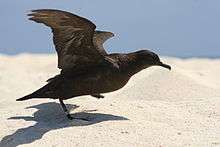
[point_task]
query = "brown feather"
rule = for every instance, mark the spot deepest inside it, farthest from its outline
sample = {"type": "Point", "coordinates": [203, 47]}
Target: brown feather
{"type": "Point", "coordinates": [99, 39]}
{"type": "Point", "coordinates": [73, 37]}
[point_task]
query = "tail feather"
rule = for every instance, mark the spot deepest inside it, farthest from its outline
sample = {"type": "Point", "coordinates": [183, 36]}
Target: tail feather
{"type": "Point", "coordinates": [46, 91]}
{"type": "Point", "coordinates": [40, 93]}
{"type": "Point", "coordinates": [25, 97]}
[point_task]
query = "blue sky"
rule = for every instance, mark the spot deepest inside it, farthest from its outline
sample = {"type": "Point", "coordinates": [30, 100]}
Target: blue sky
{"type": "Point", "coordinates": [187, 28]}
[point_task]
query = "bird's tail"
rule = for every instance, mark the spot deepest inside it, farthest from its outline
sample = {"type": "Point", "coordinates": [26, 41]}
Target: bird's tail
{"type": "Point", "coordinates": [43, 92]}
{"type": "Point", "coordinates": [47, 91]}
{"type": "Point", "coordinates": [25, 97]}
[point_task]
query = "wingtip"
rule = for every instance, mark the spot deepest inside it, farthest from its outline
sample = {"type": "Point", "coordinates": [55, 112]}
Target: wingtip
{"type": "Point", "coordinates": [32, 12]}
{"type": "Point", "coordinates": [44, 10]}
{"type": "Point", "coordinates": [37, 10]}
{"type": "Point", "coordinates": [30, 18]}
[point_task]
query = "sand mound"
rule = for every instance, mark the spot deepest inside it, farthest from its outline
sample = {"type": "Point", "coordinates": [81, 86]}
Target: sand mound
{"type": "Point", "coordinates": [156, 107]}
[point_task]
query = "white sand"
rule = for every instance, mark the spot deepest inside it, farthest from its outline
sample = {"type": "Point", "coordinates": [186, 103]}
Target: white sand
{"type": "Point", "coordinates": [156, 108]}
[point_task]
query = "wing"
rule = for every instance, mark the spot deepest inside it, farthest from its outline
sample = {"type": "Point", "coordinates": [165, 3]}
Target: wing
{"type": "Point", "coordinates": [72, 36]}
{"type": "Point", "coordinates": [99, 39]}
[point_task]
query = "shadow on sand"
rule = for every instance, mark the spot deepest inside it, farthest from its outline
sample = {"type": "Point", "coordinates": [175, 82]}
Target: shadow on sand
{"type": "Point", "coordinates": [49, 117]}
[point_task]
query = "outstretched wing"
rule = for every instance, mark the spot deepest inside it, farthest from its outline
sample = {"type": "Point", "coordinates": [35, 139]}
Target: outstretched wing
{"type": "Point", "coordinates": [73, 37]}
{"type": "Point", "coordinates": [99, 39]}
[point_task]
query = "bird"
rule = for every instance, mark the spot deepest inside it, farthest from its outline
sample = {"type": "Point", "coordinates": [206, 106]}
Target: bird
{"type": "Point", "coordinates": [86, 68]}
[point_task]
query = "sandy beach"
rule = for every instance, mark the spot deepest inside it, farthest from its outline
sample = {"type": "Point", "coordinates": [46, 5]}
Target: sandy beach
{"type": "Point", "coordinates": [157, 108]}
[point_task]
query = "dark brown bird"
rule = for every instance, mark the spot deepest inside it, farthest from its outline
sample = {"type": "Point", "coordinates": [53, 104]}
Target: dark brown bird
{"type": "Point", "coordinates": [86, 68]}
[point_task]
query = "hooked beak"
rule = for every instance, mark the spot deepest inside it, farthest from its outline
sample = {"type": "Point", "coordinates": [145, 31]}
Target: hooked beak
{"type": "Point", "coordinates": [165, 65]}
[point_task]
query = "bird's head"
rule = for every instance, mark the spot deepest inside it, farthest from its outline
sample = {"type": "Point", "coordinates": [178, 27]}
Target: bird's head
{"type": "Point", "coordinates": [146, 58]}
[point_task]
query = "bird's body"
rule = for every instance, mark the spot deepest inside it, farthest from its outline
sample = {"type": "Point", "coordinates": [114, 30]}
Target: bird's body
{"type": "Point", "coordinates": [96, 81]}
{"type": "Point", "coordinates": [93, 80]}
{"type": "Point", "coordinates": [86, 68]}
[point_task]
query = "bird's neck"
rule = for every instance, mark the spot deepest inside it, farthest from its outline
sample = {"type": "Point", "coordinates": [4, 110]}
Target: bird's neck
{"type": "Point", "coordinates": [131, 65]}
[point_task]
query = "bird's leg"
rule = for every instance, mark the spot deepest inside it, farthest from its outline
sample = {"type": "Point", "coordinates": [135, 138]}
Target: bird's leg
{"type": "Point", "coordinates": [67, 112]}
{"type": "Point", "coordinates": [65, 109]}
{"type": "Point", "coordinates": [98, 96]}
